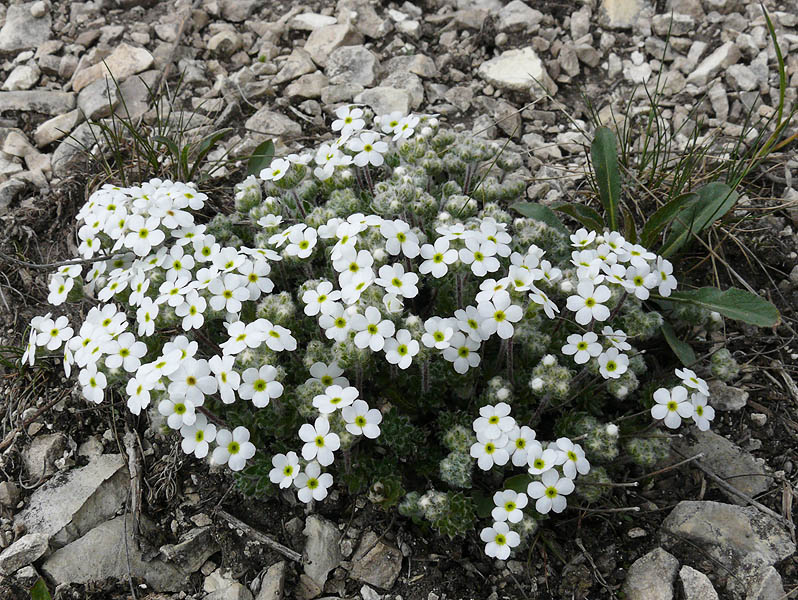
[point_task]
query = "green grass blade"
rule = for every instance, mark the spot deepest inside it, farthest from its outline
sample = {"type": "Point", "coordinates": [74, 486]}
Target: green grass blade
{"type": "Point", "coordinates": [39, 591]}
{"type": "Point", "coordinates": [604, 154]}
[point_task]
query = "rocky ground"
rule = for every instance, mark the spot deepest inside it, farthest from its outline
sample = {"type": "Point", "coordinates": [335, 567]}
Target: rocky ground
{"type": "Point", "coordinates": [276, 69]}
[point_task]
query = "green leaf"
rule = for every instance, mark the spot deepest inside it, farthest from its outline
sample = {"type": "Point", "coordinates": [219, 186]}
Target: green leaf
{"type": "Point", "coordinates": [663, 216]}
{"type": "Point", "coordinates": [173, 149]}
{"type": "Point", "coordinates": [604, 154]}
{"type": "Point", "coordinates": [681, 349]}
{"type": "Point", "coordinates": [517, 483]}
{"type": "Point", "coordinates": [733, 303]}
{"type": "Point", "coordinates": [261, 158]}
{"type": "Point", "coordinates": [582, 213]}
{"type": "Point", "coordinates": [205, 146]}
{"type": "Point", "coordinates": [483, 503]}
{"type": "Point", "coordinates": [629, 229]}
{"type": "Point", "coordinates": [39, 591]}
{"type": "Point", "coordinates": [714, 200]}
{"type": "Point", "coordinates": [536, 211]}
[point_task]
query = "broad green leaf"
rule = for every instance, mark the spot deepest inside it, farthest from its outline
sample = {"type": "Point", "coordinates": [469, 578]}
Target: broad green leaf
{"type": "Point", "coordinates": [204, 148]}
{"type": "Point", "coordinates": [733, 303]}
{"type": "Point", "coordinates": [483, 504]}
{"type": "Point", "coordinates": [517, 483]}
{"type": "Point", "coordinates": [39, 591]}
{"type": "Point", "coordinates": [536, 211]}
{"type": "Point", "coordinates": [261, 158]}
{"type": "Point", "coordinates": [582, 213]}
{"type": "Point", "coordinates": [663, 216]}
{"type": "Point", "coordinates": [681, 349]}
{"type": "Point", "coordinates": [714, 200]}
{"type": "Point", "coordinates": [173, 149]}
{"type": "Point", "coordinates": [604, 154]}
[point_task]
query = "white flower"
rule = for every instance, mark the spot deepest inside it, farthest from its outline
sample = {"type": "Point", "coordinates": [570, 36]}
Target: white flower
{"type": "Point", "coordinates": [333, 398]}
{"type": "Point", "coordinates": [369, 149]}
{"type": "Point", "coordinates": [349, 120]}
{"type": "Point", "coordinates": [575, 461]}
{"type": "Point", "coordinates": [371, 330]}
{"type": "Point", "coordinates": [126, 352]}
{"type": "Point", "coordinates": [499, 316]}
{"type": "Point", "coordinates": [228, 259]}
{"type": "Point", "coordinates": [192, 311]}
{"type": "Point", "coordinates": [256, 272]}
{"type": "Point", "coordinates": [355, 286]}
{"type": "Point", "coordinates": [138, 391]}
{"type": "Point", "coordinates": [692, 381]}
{"type": "Point", "coordinates": [639, 280]}
{"type": "Point", "coordinates": [490, 287]}
{"type": "Point", "coordinates": [469, 320]}
{"type": "Point", "coordinates": [400, 350]}
{"type": "Point", "coordinates": [588, 303]}
{"type": "Point", "coordinates": [276, 170]}
{"type": "Point", "coordinates": [227, 380]}
{"type": "Point", "coordinates": [92, 383]}
{"type": "Point", "coordinates": [480, 255]}
{"type": "Point", "coordinates": [664, 275]}
{"type": "Point", "coordinates": [617, 338]}
{"type": "Point", "coordinates": [139, 285]}
{"type": "Point", "coordinates": [520, 440]}
{"type": "Point", "coordinates": [277, 337]}
{"type": "Point", "coordinates": [702, 413]}
{"type": "Point", "coordinates": [327, 375]}
{"type": "Point", "coordinates": [259, 385]}
{"type": "Point", "coordinates": [242, 336]}
{"type": "Point", "coordinates": [494, 421]}
{"type": "Point", "coordinates": [550, 492]}
{"type": "Point", "coordinates": [538, 297]}
{"type": "Point", "coordinates": [53, 333]}
{"type": "Point", "coordinates": [178, 412]}
{"type": "Point", "coordinates": [582, 347]}
{"type": "Point", "coordinates": [313, 484]}
{"type": "Point", "coordinates": [301, 243]}
{"type": "Point", "coordinates": [233, 449]}
{"type": "Point", "coordinates": [192, 381]}
{"type": "Point", "coordinates": [509, 506]}
{"type": "Point", "coordinates": [637, 255]}
{"type": "Point", "coordinates": [205, 248]}
{"type": "Point", "coordinates": [389, 123]}
{"type": "Point", "coordinates": [196, 437]}
{"type": "Point", "coordinates": [319, 442]}
{"type": "Point", "coordinates": [362, 420]}
{"type": "Point", "coordinates": [499, 540]}
{"type": "Point", "coordinates": [406, 127]}
{"type": "Point", "coordinates": [462, 353]}
{"type": "Point", "coordinates": [582, 238]}
{"type": "Point", "coordinates": [228, 293]}
{"type": "Point", "coordinates": [672, 406]}
{"type": "Point", "coordinates": [322, 299]}
{"type": "Point", "coordinates": [540, 460]}
{"type": "Point", "coordinates": [489, 452]}
{"type": "Point", "coordinates": [144, 234]}
{"type": "Point", "coordinates": [438, 332]}
{"type": "Point", "coordinates": [286, 469]}
{"type": "Point", "coordinates": [335, 323]}
{"type": "Point", "coordinates": [612, 364]}
{"type": "Point", "coordinates": [59, 289]}
{"type": "Point", "coordinates": [437, 258]}
{"type": "Point", "coordinates": [399, 238]}
{"type": "Point", "coordinates": [174, 289]}
{"type": "Point", "coordinates": [395, 281]}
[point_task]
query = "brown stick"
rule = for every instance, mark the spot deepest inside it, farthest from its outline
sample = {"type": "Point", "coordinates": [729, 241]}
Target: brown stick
{"type": "Point", "coordinates": [261, 537]}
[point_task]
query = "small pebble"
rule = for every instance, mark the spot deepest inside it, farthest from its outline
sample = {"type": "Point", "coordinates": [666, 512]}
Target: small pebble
{"type": "Point", "coordinates": [759, 419]}
{"type": "Point", "coordinates": [637, 532]}
{"type": "Point", "coordinates": [38, 9]}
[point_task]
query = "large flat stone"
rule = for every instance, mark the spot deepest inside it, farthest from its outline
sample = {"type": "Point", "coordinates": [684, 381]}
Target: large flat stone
{"type": "Point", "coordinates": [322, 553]}
{"type": "Point", "coordinates": [376, 562]}
{"type": "Point", "coordinates": [104, 553]}
{"type": "Point", "coordinates": [22, 30]}
{"type": "Point", "coordinates": [124, 61]}
{"type": "Point", "coordinates": [730, 462]}
{"type": "Point", "coordinates": [651, 577]}
{"type": "Point", "coordinates": [73, 502]}
{"type": "Point", "coordinates": [42, 101]}
{"type": "Point", "coordinates": [520, 71]}
{"type": "Point", "coordinates": [24, 551]}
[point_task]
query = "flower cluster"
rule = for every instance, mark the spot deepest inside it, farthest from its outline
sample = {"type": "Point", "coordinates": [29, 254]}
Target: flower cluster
{"type": "Point", "coordinates": [384, 264]}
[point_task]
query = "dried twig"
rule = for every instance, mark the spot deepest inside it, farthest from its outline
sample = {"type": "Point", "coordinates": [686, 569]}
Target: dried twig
{"type": "Point", "coordinates": [134, 468]}
{"type": "Point", "coordinates": [261, 537]}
